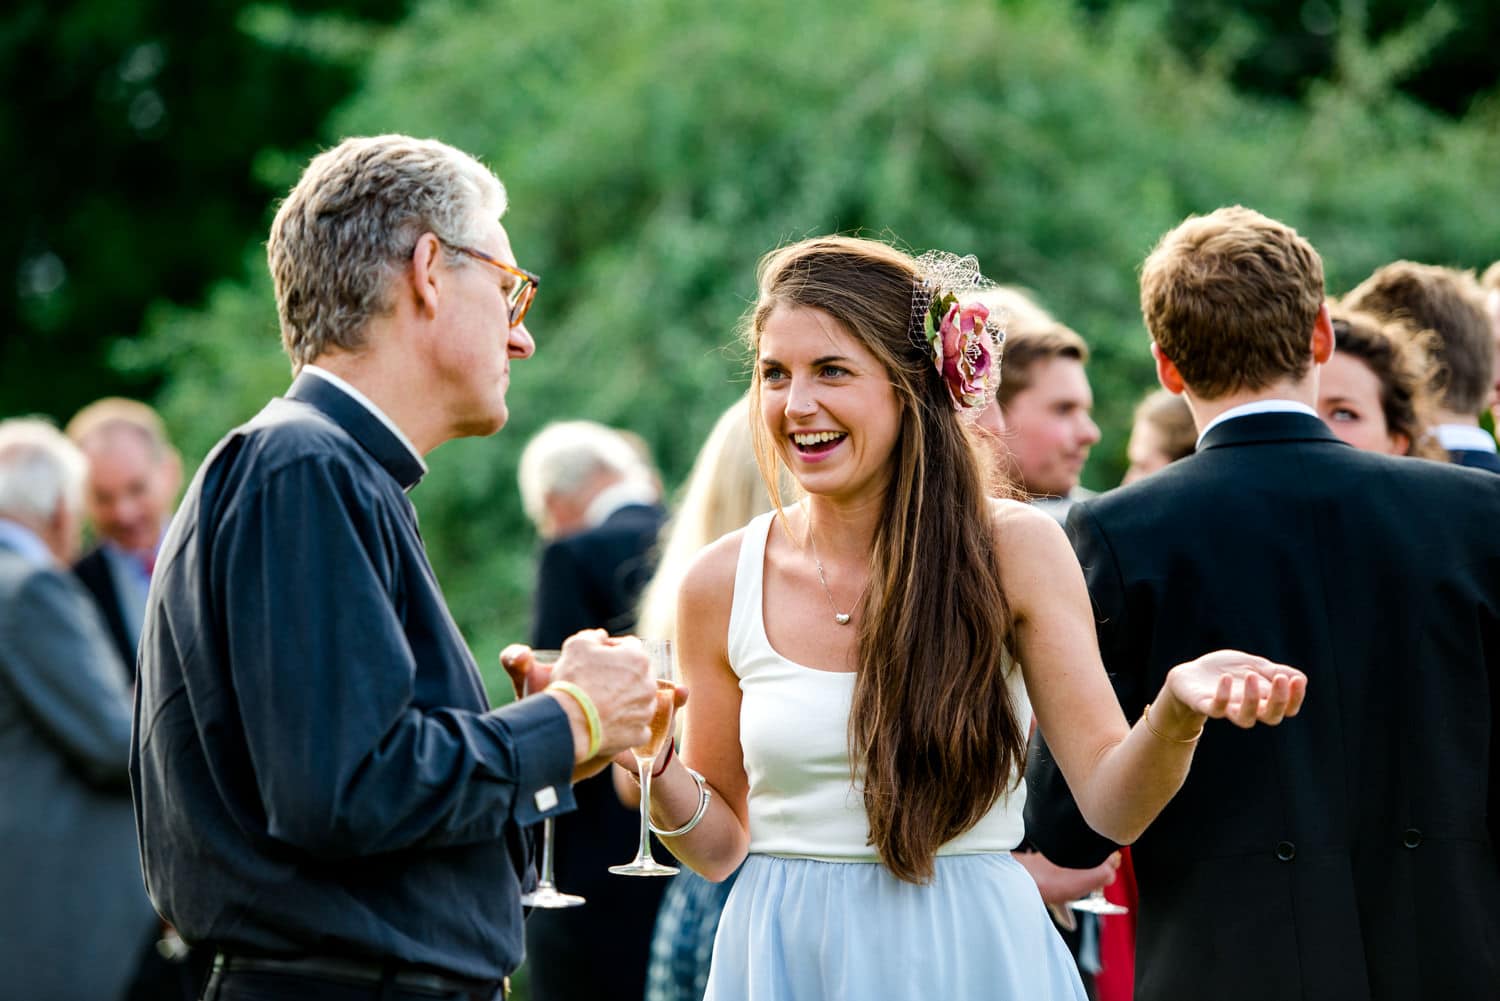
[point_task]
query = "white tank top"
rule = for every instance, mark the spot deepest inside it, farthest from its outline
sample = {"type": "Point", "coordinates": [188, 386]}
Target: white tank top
{"type": "Point", "coordinates": [794, 731]}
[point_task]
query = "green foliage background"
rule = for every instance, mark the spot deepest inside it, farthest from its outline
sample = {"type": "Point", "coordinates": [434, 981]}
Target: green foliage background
{"type": "Point", "coordinates": [655, 149]}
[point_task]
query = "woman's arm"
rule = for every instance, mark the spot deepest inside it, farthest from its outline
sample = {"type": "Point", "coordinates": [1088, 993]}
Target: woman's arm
{"type": "Point", "coordinates": [1121, 775]}
{"type": "Point", "coordinates": [711, 734]}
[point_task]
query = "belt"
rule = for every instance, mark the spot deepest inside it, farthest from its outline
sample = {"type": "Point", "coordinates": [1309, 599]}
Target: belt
{"type": "Point", "coordinates": [364, 973]}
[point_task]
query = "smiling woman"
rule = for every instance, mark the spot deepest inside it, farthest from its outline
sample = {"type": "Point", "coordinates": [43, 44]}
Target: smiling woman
{"type": "Point", "coordinates": [857, 728]}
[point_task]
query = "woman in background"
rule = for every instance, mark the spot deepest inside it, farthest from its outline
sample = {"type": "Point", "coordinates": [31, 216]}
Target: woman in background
{"type": "Point", "coordinates": [1376, 389]}
{"type": "Point", "coordinates": [1162, 433]}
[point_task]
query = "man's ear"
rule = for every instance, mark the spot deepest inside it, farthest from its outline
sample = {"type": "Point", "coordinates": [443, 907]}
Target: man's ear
{"type": "Point", "coordinates": [1166, 372]}
{"type": "Point", "coordinates": [1322, 336]}
{"type": "Point", "coordinates": [424, 276]}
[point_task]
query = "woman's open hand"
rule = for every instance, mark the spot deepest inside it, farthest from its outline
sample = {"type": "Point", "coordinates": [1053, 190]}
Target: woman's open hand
{"type": "Point", "coordinates": [1228, 684]}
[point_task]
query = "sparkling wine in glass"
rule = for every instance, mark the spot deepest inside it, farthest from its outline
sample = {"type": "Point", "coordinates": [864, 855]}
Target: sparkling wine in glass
{"type": "Point", "coordinates": [660, 652]}
{"type": "Point", "coordinates": [546, 895]}
{"type": "Point", "coordinates": [1097, 903]}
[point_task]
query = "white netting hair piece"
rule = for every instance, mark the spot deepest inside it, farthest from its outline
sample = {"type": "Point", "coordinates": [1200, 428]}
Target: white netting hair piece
{"type": "Point", "coordinates": [947, 282]}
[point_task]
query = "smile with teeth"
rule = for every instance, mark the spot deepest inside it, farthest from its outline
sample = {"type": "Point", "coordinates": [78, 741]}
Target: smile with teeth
{"type": "Point", "coordinates": [817, 441]}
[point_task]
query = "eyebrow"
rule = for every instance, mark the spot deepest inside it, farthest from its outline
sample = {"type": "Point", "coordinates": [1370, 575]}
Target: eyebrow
{"type": "Point", "coordinates": [824, 360]}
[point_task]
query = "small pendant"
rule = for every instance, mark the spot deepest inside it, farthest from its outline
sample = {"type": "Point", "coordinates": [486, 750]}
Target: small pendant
{"type": "Point", "coordinates": [842, 618]}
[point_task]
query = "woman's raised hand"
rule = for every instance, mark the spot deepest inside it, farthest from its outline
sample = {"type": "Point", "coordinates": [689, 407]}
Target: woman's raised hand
{"type": "Point", "coordinates": [1229, 684]}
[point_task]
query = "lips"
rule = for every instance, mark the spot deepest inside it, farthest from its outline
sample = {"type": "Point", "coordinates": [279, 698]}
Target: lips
{"type": "Point", "coordinates": [817, 442]}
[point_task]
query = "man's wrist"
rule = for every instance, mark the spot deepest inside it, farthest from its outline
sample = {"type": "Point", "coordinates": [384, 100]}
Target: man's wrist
{"type": "Point", "coordinates": [577, 722]}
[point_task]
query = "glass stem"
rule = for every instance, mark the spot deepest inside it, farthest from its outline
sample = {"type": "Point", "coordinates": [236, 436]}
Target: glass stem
{"type": "Point", "coordinates": [546, 854]}
{"type": "Point", "coordinates": [646, 764]}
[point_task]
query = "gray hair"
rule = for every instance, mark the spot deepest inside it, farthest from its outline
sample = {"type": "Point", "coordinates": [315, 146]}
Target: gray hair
{"type": "Point", "coordinates": [39, 468]}
{"type": "Point", "coordinates": [348, 227]}
{"type": "Point", "coordinates": [564, 456]}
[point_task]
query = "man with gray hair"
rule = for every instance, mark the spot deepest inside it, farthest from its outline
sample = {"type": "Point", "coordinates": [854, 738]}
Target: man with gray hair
{"type": "Point", "coordinates": [76, 917]}
{"type": "Point", "coordinates": [325, 798]}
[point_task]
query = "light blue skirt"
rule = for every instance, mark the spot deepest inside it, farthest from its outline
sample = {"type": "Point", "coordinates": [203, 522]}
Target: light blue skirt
{"type": "Point", "coordinates": [800, 930]}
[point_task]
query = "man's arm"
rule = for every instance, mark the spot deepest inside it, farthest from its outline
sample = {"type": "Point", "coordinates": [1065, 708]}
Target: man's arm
{"type": "Point", "coordinates": [63, 669]}
{"type": "Point", "coordinates": [346, 762]}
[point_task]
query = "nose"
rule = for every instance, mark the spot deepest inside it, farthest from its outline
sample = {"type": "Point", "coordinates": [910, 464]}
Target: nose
{"type": "Point", "coordinates": [800, 400]}
{"type": "Point", "coordinates": [1090, 433]}
{"type": "Point", "coordinates": [520, 344]}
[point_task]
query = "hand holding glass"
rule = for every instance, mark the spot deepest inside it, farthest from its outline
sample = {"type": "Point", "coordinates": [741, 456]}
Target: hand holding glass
{"type": "Point", "coordinates": [546, 895]}
{"type": "Point", "coordinates": [662, 667]}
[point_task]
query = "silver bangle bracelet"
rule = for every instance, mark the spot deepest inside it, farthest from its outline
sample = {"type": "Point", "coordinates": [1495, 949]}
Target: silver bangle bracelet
{"type": "Point", "coordinates": [703, 797]}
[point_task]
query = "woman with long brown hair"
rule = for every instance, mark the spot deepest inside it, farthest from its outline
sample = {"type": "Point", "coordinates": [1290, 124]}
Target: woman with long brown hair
{"type": "Point", "coordinates": [857, 723]}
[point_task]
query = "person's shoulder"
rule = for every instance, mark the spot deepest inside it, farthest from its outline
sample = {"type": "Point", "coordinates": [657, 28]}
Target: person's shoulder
{"type": "Point", "coordinates": [1019, 525]}
{"type": "Point", "coordinates": [710, 576]}
{"type": "Point", "coordinates": [287, 435]}
{"type": "Point", "coordinates": [91, 564]}
{"type": "Point", "coordinates": [1456, 483]}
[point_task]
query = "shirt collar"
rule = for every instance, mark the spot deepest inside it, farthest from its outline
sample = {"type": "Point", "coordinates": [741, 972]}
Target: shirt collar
{"type": "Point", "coordinates": [25, 543]}
{"type": "Point", "coordinates": [615, 496]}
{"type": "Point", "coordinates": [1464, 438]}
{"type": "Point", "coordinates": [369, 405]}
{"type": "Point", "coordinates": [1257, 407]}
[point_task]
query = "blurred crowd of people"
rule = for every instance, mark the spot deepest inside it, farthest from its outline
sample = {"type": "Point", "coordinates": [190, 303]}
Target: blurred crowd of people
{"type": "Point", "coordinates": [1412, 372]}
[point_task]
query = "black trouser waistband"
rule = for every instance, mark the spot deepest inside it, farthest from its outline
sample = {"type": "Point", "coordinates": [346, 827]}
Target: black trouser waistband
{"type": "Point", "coordinates": [363, 973]}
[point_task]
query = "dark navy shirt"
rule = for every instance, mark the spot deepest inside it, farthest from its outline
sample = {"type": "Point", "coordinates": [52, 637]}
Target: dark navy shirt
{"type": "Point", "coordinates": [315, 767]}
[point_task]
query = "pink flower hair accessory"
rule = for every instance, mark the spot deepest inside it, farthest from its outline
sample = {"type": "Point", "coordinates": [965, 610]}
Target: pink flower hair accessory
{"type": "Point", "coordinates": [963, 337]}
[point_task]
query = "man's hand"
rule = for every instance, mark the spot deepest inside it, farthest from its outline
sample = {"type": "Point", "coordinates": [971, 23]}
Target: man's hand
{"type": "Point", "coordinates": [1058, 885]}
{"type": "Point", "coordinates": [616, 675]}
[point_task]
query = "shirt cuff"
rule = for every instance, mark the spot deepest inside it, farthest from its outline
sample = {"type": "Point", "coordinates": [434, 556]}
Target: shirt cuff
{"type": "Point", "coordinates": [542, 739]}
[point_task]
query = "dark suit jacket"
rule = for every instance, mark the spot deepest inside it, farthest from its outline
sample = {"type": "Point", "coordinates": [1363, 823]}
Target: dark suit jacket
{"type": "Point", "coordinates": [1351, 852]}
{"type": "Point", "coordinates": [592, 580]}
{"type": "Point", "coordinates": [94, 572]}
{"type": "Point", "coordinates": [1475, 459]}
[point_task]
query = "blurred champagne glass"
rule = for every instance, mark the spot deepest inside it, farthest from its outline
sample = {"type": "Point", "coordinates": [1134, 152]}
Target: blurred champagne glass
{"type": "Point", "coordinates": [546, 895]}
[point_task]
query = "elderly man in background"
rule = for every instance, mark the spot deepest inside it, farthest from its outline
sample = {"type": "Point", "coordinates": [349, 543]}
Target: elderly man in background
{"type": "Point", "coordinates": [133, 479]}
{"type": "Point", "coordinates": [595, 502]}
{"type": "Point", "coordinates": [325, 798]}
{"type": "Point", "coordinates": [76, 917]}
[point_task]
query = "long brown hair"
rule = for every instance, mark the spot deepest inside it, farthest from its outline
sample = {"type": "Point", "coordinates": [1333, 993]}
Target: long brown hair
{"type": "Point", "coordinates": [932, 732]}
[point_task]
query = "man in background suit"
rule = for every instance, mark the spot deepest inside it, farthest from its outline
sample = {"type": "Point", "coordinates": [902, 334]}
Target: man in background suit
{"type": "Point", "coordinates": [76, 917]}
{"type": "Point", "coordinates": [1350, 854]}
{"type": "Point", "coordinates": [1451, 305]}
{"type": "Point", "coordinates": [1044, 404]}
{"type": "Point", "coordinates": [595, 502]}
{"type": "Point", "coordinates": [134, 475]}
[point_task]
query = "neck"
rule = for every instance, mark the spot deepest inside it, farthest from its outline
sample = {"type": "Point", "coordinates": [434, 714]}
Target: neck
{"type": "Point", "coordinates": [845, 529]}
{"type": "Point", "coordinates": [394, 383]}
{"type": "Point", "coordinates": [1453, 417]}
{"type": "Point", "coordinates": [1304, 390]}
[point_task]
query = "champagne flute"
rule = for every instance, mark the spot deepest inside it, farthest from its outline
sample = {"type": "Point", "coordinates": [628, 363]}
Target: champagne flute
{"type": "Point", "coordinates": [546, 895]}
{"type": "Point", "coordinates": [660, 652]}
{"type": "Point", "coordinates": [1097, 903]}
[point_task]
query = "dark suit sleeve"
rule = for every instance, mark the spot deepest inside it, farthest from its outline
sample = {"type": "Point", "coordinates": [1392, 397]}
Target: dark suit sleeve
{"type": "Point", "coordinates": [63, 670]}
{"type": "Point", "coordinates": [346, 763]}
{"type": "Point", "coordinates": [1054, 824]}
{"type": "Point", "coordinates": [562, 597]}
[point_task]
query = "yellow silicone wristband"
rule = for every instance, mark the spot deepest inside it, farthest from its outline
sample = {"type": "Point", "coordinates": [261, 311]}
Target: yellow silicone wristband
{"type": "Point", "coordinates": [590, 713]}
